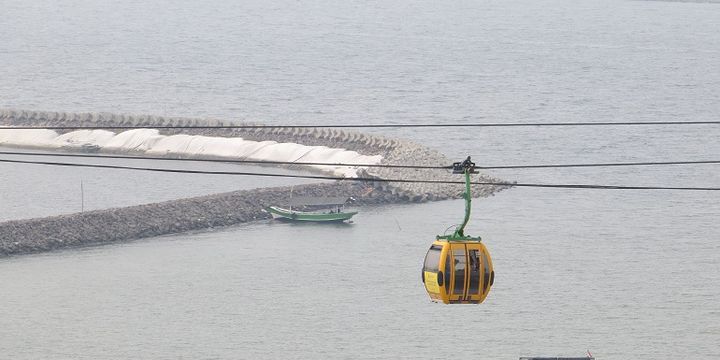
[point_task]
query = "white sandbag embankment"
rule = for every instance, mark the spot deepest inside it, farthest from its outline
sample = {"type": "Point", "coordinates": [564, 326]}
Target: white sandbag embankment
{"type": "Point", "coordinates": [151, 142]}
{"type": "Point", "coordinates": [260, 143]}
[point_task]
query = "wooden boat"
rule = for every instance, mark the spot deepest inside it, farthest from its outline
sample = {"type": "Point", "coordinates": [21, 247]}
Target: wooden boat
{"type": "Point", "coordinates": [288, 214]}
{"type": "Point", "coordinates": [313, 210]}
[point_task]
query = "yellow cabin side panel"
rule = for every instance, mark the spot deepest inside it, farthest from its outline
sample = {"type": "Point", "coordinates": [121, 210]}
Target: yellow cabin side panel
{"type": "Point", "coordinates": [442, 290]}
{"type": "Point", "coordinates": [431, 284]}
{"type": "Point", "coordinates": [437, 291]}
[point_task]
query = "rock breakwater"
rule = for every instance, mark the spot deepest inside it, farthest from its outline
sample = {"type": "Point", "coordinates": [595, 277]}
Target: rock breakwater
{"type": "Point", "coordinates": [169, 217]}
{"type": "Point", "coordinates": [393, 151]}
{"type": "Point", "coordinates": [227, 209]}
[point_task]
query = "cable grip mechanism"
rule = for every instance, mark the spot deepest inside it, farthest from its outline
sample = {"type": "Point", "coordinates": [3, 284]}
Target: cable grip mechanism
{"type": "Point", "coordinates": [461, 167]}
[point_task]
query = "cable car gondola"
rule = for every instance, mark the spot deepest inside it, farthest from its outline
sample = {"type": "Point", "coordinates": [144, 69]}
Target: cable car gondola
{"type": "Point", "coordinates": [458, 268]}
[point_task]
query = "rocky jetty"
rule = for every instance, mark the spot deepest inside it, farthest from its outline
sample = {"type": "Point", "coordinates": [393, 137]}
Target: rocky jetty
{"type": "Point", "coordinates": [169, 217]}
{"type": "Point", "coordinates": [122, 224]}
{"type": "Point", "coordinates": [393, 151]}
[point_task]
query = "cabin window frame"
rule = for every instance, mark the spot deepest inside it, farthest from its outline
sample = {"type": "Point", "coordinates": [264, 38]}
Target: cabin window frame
{"type": "Point", "coordinates": [433, 249]}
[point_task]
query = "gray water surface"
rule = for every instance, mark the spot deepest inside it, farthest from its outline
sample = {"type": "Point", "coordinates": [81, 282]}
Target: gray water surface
{"type": "Point", "coordinates": [625, 274]}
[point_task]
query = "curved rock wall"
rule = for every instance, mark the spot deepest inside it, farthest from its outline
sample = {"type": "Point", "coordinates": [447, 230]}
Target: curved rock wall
{"type": "Point", "coordinates": [393, 151]}
{"type": "Point", "coordinates": [351, 140]}
{"type": "Point", "coordinates": [176, 216]}
{"type": "Point", "coordinates": [122, 224]}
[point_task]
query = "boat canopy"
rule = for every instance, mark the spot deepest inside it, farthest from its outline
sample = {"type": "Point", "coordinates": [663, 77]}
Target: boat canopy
{"type": "Point", "coordinates": [318, 201]}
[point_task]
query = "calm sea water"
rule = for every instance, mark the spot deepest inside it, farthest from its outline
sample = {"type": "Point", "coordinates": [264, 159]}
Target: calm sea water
{"type": "Point", "coordinates": [625, 274]}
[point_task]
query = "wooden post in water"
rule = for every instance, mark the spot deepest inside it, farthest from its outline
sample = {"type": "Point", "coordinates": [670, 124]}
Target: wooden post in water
{"type": "Point", "coordinates": [82, 197]}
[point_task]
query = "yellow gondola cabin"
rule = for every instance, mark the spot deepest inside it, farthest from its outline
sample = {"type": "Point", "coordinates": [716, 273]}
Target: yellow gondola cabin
{"type": "Point", "coordinates": [458, 268]}
{"type": "Point", "coordinates": [458, 272]}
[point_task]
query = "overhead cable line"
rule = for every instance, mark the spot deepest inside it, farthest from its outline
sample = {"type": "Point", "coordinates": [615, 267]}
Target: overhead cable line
{"type": "Point", "coordinates": [428, 167]}
{"type": "Point", "coordinates": [234, 161]}
{"type": "Point", "coordinates": [366, 179]}
{"type": "Point", "coordinates": [345, 126]}
{"type": "Point", "coordinates": [640, 163]}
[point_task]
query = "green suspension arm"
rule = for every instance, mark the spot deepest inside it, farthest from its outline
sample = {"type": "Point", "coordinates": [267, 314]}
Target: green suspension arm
{"type": "Point", "coordinates": [466, 167]}
{"type": "Point", "coordinates": [460, 231]}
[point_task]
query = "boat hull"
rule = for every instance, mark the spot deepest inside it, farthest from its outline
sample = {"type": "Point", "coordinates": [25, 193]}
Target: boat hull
{"type": "Point", "coordinates": [286, 214]}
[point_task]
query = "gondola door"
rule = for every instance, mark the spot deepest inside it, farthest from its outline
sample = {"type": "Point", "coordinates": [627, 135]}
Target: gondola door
{"type": "Point", "coordinates": [458, 279]}
{"type": "Point", "coordinates": [467, 273]}
{"type": "Point", "coordinates": [474, 274]}
{"type": "Point", "coordinates": [480, 272]}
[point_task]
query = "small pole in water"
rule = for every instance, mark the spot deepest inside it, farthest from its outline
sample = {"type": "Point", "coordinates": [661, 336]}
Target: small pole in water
{"type": "Point", "coordinates": [82, 197]}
